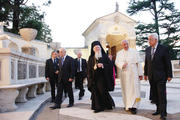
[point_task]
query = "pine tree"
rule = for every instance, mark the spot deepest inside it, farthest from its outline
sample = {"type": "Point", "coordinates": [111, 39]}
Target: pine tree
{"type": "Point", "coordinates": [166, 23]}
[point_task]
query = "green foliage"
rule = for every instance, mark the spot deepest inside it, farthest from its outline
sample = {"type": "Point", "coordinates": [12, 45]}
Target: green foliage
{"type": "Point", "coordinates": [33, 24]}
{"type": "Point", "coordinates": [4, 10]}
{"type": "Point", "coordinates": [29, 16]}
{"type": "Point", "coordinates": [142, 31]}
{"type": "Point", "coordinates": [136, 6]}
{"type": "Point", "coordinates": [166, 23]}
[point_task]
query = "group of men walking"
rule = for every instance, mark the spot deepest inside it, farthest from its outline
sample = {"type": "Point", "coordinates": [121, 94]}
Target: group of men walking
{"type": "Point", "coordinates": [60, 70]}
{"type": "Point", "coordinates": [99, 69]}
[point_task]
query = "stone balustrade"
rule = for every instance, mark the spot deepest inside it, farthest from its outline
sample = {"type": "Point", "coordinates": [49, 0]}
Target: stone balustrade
{"type": "Point", "coordinates": [176, 68]}
{"type": "Point", "coordinates": [21, 76]}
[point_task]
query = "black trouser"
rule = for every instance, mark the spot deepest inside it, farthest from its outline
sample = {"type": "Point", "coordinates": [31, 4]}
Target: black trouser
{"type": "Point", "coordinates": [53, 83]}
{"type": "Point", "coordinates": [65, 91]}
{"type": "Point", "coordinates": [79, 82]}
{"type": "Point", "coordinates": [76, 84]}
{"type": "Point", "coordinates": [159, 96]}
{"type": "Point", "coordinates": [61, 86]}
{"type": "Point", "coordinates": [151, 92]}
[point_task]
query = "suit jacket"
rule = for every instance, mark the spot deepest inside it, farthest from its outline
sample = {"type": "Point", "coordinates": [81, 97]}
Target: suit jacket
{"type": "Point", "coordinates": [66, 70]}
{"type": "Point", "coordinates": [160, 67]}
{"type": "Point", "coordinates": [84, 67]}
{"type": "Point", "coordinates": [51, 68]}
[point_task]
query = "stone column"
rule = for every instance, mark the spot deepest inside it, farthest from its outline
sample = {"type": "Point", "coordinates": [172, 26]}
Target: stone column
{"type": "Point", "coordinates": [5, 71]}
{"type": "Point", "coordinates": [41, 88]}
{"type": "Point", "coordinates": [132, 42]}
{"type": "Point", "coordinates": [32, 91]}
{"type": "Point", "coordinates": [7, 99]}
{"type": "Point", "coordinates": [16, 70]}
{"type": "Point", "coordinates": [27, 74]}
{"type": "Point", "coordinates": [22, 95]}
{"type": "Point", "coordinates": [48, 86]}
{"type": "Point", "coordinates": [37, 71]}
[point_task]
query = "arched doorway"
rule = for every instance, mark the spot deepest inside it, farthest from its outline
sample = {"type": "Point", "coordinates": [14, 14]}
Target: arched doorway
{"type": "Point", "coordinates": [114, 42]}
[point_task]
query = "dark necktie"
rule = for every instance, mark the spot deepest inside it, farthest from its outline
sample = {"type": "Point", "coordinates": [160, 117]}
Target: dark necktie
{"type": "Point", "coordinates": [78, 65]}
{"type": "Point", "coordinates": [54, 63]}
{"type": "Point", "coordinates": [62, 60]}
{"type": "Point", "coordinates": [152, 53]}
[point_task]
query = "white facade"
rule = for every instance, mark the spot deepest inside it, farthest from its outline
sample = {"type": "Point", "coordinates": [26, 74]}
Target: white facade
{"type": "Point", "coordinates": [116, 24]}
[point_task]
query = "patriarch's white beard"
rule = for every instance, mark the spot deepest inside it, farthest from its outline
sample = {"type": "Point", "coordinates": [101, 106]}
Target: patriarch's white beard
{"type": "Point", "coordinates": [98, 55]}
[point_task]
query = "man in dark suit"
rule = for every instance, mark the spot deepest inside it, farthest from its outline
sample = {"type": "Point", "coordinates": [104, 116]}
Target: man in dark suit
{"type": "Point", "coordinates": [158, 70]}
{"type": "Point", "coordinates": [65, 78]}
{"type": "Point", "coordinates": [80, 73]}
{"type": "Point", "coordinates": [51, 73]}
{"type": "Point", "coordinates": [65, 92]}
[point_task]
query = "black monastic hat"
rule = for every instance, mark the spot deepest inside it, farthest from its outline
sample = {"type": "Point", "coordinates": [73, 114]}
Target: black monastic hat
{"type": "Point", "coordinates": [94, 44]}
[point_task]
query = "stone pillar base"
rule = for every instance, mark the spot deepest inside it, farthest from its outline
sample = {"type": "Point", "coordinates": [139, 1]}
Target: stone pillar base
{"type": "Point", "coordinates": [48, 86]}
{"type": "Point", "coordinates": [41, 88]}
{"type": "Point", "coordinates": [7, 99]}
{"type": "Point", "coordinates": [22, 95]}
{"type": "Point", "coordinates": [32, 91]}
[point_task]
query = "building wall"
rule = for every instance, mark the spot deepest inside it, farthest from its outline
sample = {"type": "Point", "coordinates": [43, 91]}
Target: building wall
{"type": "Point", "coordinates": [72, 52]}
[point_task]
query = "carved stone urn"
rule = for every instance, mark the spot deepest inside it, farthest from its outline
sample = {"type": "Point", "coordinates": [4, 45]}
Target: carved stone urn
{"type": "Point", "coordinates": [28, 34]}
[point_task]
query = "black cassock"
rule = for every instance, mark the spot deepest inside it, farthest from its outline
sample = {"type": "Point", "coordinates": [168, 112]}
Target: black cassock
{"type": "Point", "coordinates": [100, 81]}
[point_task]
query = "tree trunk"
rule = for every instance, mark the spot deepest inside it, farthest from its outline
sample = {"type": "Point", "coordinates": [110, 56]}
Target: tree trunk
{"type": "Point", "coordinates": [156, 18]}
{"type": "Point", "coordinates": [16, 13]}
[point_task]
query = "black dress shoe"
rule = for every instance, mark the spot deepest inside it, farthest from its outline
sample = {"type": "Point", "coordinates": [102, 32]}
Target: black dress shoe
{"type": "Point", "coordinates": [110, 108]}
{"type": "Point", "coordinates": [133, 110]}
{"type": "Point", "coordinates": [70, 105]}
{"type": "Point", "coordinates": [153, 102]}
{"type": "Point", "coordinates": [55, 107]}
{"type": "Point", "coordinates": [156, 113]}
{"type": "Point", "coordinates": [80, 98]}
{"type": "Point", "coordinates": [163, 118]}
{"type": "Point", "coordinates": [96, 111]}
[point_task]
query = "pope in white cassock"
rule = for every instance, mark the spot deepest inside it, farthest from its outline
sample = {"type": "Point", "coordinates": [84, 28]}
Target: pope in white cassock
{"type": "Point", "coordinates": [128, 61]}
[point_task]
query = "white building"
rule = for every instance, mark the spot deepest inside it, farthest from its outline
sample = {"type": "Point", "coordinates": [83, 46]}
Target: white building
{"type": "Point", "coordinates": [110, 30]}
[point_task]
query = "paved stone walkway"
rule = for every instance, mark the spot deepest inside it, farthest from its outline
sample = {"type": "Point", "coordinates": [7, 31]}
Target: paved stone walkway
{"type": "Point", "coordinates": [81, 110]}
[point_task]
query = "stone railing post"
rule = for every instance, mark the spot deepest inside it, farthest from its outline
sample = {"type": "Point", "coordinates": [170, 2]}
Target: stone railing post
{"type": "Point", "coordinates": [32, 91]}
{"type": "Point", "coordinates": [7, 97]}
{"type": "Point", "coordinates": [22, 95]}
{"type": "Point", "coordinates": [41, 88]}
{"type": "Point", "coordinates": [5, 68]}
{"type": "Point", "coordinates": [37, 71]}
{"type": "Point", "coordinates": [27, 74]}
{"type": "Point", "coordinates": [16, 70]}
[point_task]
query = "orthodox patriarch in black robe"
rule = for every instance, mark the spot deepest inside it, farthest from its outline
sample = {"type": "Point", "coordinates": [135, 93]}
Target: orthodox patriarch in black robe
{"type": "Point", "coordinates": [100, 78]}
